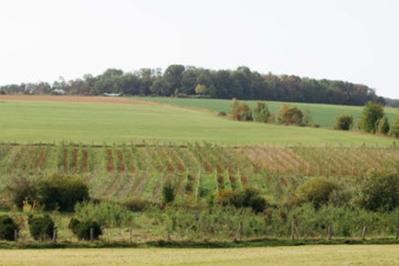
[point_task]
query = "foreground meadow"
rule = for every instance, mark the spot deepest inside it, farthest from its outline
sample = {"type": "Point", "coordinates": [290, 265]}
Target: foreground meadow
{"type": "Point", "coordinates": [303, 255]}
{"type": "Point", "coordinates": [46, 119]}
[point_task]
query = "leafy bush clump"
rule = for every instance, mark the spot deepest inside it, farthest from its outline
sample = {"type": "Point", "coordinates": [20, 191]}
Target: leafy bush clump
{"type": "Point", "coordinates": [7, 228]}
{"type": "Point", "coordinates": [222, 114]}
{"type": "Point", "coordinates": [316, 190]}
{"type": "Point", "coordinates": [168, 193]}
{"type": "Point", "coordinates": [344, 122]}
{"type": "Point", "coordinates": [240, 111]}
{"type": "Point", "coordinates": [290, 115]}
{"type": "Point", "coordinates": [379, 191]}
{"type": "Point", "coordinates": [261, 113]}
{"type": "Point", "coordinates": [41, 227]}
{"type": "Point", "coordinates": [247, 198]}
{"type": "Point", "coordinates": [23, 190]}
{"type": "Point", "coordinates": [86, 230]}
{"type": "Point", "coordinates": [105, 213]}
{"type": "Point", "coordinates": [57, 191]}
{"type": "Point", "coordinates": [394, 132]}
{"type": "Point", "coordinates": [137, 204]}
{"type": "Point", "coordinates": [383, 126]}
{"type": "Point", "coordinates": [372, 113]}
{"type": "Point", "coordinates": [62, 192]}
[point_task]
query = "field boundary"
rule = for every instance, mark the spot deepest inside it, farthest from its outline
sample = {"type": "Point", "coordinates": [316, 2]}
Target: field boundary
{"type": "Point", "coordinates": [254, 243]}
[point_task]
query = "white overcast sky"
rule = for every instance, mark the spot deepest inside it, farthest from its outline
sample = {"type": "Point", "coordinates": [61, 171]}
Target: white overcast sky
{"type": "Point", "coordinates": [353, 40]}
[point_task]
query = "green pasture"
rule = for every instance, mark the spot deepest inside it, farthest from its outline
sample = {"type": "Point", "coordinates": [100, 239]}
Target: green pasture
{"type": "Point", "coordinates": [33, 121]}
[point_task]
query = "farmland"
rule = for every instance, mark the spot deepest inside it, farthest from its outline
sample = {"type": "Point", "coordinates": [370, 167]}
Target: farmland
{"type": "Point", "coordinates": [119, 172]}
{"type": "Point", "coordinates": [102, 120]}
{"type": "Point", "coordinates": [322, 114]}
{"type": "Point", "coordinates": [329, 255]}
{"type": "Point", "coordinates": [126, 151]}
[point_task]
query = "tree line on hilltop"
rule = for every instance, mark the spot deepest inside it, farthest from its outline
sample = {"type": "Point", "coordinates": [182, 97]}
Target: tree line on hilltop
{"type": "Point", "coordinates": [188, 81]}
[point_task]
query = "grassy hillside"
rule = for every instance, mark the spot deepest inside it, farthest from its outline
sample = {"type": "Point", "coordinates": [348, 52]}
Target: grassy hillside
{"type": "Point", "coordinates": [322, 114]}
{"type": "Point", "coordinates": [99, 120]}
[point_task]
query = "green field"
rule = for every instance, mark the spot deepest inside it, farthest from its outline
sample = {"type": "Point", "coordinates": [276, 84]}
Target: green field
{"type": "Point", "coordinates": [305, 255]}
{"type": "Point", "coordinates": [322, 114]}
{"type": "Point", "coordinates": [26, 121]}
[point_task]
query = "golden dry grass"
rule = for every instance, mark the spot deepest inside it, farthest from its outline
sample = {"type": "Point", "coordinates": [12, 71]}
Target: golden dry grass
{"type": "Point", "coordinates": [304, 255]}
{"type": "Point", "coordinates": [75, 99]}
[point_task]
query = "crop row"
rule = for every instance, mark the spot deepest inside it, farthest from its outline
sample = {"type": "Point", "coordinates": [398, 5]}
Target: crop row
{"type": "Point", "coordinates": [129, 171]}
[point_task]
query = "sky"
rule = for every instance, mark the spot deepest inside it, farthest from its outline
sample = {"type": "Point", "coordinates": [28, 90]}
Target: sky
{"type": "Point", "coordinates": [352, 40]}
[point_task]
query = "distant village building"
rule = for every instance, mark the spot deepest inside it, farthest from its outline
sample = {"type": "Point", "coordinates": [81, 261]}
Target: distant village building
{"type": "Point", "coordinates": [58, 92]}
{"type": "Point", "coordinates": [112, 94]}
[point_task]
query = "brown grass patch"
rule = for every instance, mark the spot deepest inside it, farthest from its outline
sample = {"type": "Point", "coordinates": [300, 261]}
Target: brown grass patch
{"type": "Point", "coordinates": [76, 99]}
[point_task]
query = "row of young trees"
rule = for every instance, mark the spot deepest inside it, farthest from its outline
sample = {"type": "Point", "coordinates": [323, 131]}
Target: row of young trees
{"type": "Point", "coordinates": [373, 120]}
{"type": "Point", "coordinates": [179, 80]}
{"type": "Point", "coordinates": [287, 115]}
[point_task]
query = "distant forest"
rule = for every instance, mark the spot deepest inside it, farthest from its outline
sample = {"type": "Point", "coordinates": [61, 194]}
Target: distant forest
{"type": "Point", "coordinates": [188, 81]}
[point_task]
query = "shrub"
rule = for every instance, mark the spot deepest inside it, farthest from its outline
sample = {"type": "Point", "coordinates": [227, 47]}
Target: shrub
{"type": "Point", "coordinates": [240, 111]}
{"type": "Point", "coordinates": [308, 120]}
{"type": "Point", "coordinates": [372, 113]}
{"type": "Point", "coordinates": [316, 190]}
{"type": "Point", "coordinates": [344, 122]}
{"type": "Point", "coordinates": [41, 227]}
{"type": "Point", "coordinates": [168, 193]}
{"type": "Point", "coordinates": [83, 230]}
{"type": "Point", "coordinates": [290, 115]}
{"type": "Point", "coordinates": [62, 192]}
{"type": "Point", "coordinates": [379, 191]}
{"type": "Point", "coordinates": [23, 191]}
{"type": "Point", "coordinates": [137, 205]}
{"type": "Point", "coordinates": [225, 197]}
{"type": "Point", "coordinates": [261, 113]}
{"type": "Point", "coordinates": [105, 213]}
{"type": "Point", "coordinates": [383, 126]}
{"type": "Point", "coordinates": [247, 198]}
{"type": "Point", "coordinates": [7, 228]}
{"type": "Point", "coordinates": [395, 128]}
{"type": "Point", "coordinates": [341, 197]}
{"type": "Point", "coordinates": [222, 114]}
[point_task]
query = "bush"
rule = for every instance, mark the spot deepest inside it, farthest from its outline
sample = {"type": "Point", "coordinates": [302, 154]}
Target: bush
{"type": "Point", "coordinates": [379, 191]}
{"type": "Point", "coordinates": [105, 213]}
{"type": "Point", "coordinates": [137, 205]}
{"type": "Point", "coordinates": [7, 228]}
{"type": "Point", "coordinates": [383, 126]}
{"type": "Point", "coordinates": [290, 115]}
{"type": "Point", "coordinates": [344, 122]}
{"type": "Point", "coordinates": [372, 113]}
{"type": "Point", "coordinates": [168, 193]}
{"type": "Point", "coordinates": [41, 227]}
{"type": "Point", "coordinates": [222, 114]}
{"type": "Point", "coordinates": [62, 192]}
{"type": "Point", "coordinates": [247, 198]}
{"type": "Point", "coordinates": [308, 120]}
{"type": "Point", "coordinates": [83, 230]}
{"type": "Point", "coordinates": [240, 111]}
{"type": "Point", "coordinates": [316, 190]}
{"type": "Point", "coordinates": [395, 128]}
{"type": "Point", "coordinates": [23, 191]}
{"type": "Point", "coordinates": [261, 113]}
